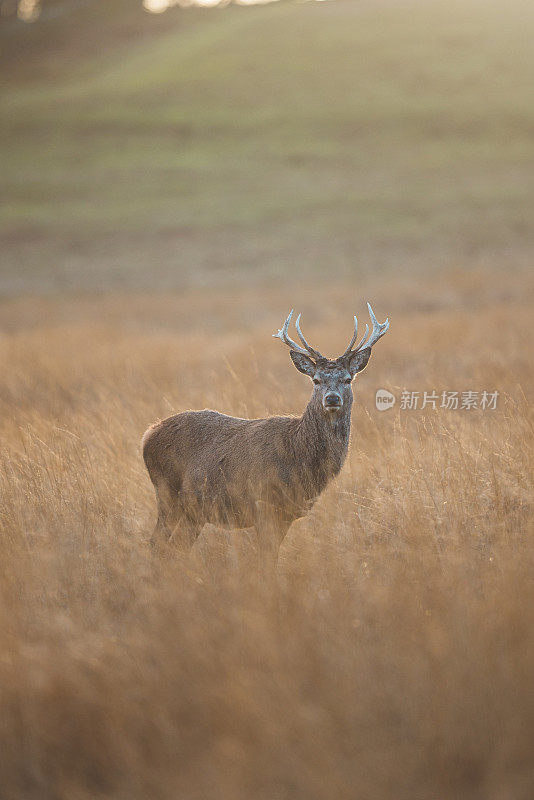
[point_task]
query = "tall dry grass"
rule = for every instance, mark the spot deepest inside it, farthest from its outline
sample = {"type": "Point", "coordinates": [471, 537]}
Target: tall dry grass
{"type": "Point", "coordinates": [393, 654]}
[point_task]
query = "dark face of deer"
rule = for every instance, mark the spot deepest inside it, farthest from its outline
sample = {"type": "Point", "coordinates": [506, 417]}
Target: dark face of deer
{"type": "Point", "coordinates": [332, 379]}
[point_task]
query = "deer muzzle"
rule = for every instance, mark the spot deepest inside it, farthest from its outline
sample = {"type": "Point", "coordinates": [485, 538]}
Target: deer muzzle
{"type": "Point", "coordinates": [332, 401]}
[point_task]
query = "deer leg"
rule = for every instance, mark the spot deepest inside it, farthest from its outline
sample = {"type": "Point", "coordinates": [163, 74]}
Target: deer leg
{"type": "Point", "coordinates": [174, 526]}
{"type": "Point", "coordinates": [271, 529]}
{"type": "Point", "coordinates": [178, 532]}
{"type": "Point", "coordinates": [163, 530]}
{"type": "Point", "coordinates": [161, 533]}
{"type": "Point", "coordinates": [184, 533]}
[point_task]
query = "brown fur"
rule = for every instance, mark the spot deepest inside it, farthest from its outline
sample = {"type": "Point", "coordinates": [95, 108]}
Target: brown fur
{"type": "Point", "coordinates": [209, 467]}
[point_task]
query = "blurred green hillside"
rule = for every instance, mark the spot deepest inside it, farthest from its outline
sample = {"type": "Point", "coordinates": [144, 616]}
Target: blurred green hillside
{"type": "Point", "coordinates": [250, 144]}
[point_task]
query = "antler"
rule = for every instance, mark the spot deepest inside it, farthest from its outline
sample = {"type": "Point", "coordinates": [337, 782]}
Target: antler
{"type": "Point", "coordinates": [315, 353]}
{"type": "Point", "coordinates": [284, 336]}
{"type": "Point", "coordinates": [355, 334]}
{"type": "Point", "coordinates": [379, 329]}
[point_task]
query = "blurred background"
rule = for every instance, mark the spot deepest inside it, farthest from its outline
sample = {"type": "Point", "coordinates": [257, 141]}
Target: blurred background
{"type": "Point", "coordinates": [274, 143]}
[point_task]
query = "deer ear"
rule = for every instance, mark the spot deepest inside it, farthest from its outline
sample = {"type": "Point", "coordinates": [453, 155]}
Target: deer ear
{"type": "Point", "coordinates": [358, 361]}
{"type": "Point", "coordinates": [303, 363]}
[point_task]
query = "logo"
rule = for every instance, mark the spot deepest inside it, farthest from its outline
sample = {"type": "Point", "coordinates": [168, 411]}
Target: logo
{"type": "Point", "coordinates": [384, 399]}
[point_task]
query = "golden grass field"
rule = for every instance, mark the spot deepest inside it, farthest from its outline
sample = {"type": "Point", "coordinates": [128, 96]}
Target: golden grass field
{"type": "Point", "coordinates": [392, 655]}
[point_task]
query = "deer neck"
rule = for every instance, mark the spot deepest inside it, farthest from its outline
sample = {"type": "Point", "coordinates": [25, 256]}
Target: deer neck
{"type": "Point", "coordinates": [324, 439]}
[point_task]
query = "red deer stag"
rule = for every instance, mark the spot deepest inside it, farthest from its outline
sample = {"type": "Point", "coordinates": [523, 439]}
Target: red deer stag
{"type": "Point", "coordinates": [240, 473]}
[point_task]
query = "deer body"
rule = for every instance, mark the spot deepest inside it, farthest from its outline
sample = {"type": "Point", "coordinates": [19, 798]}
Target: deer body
{"type": "Point", "coordinates": [240, 473]}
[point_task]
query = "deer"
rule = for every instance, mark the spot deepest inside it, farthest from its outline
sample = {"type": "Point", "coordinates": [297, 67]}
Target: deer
{"type": "Point", "coordinates": [207, 467]}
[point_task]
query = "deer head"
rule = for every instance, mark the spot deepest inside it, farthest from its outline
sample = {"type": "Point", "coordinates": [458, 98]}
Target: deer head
{"type": "Point", "coordinates": [333, 378]}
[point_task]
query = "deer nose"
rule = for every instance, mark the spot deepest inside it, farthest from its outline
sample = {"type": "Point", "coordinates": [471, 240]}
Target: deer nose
{"type": "Point", "coordinates": [332, 400]}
